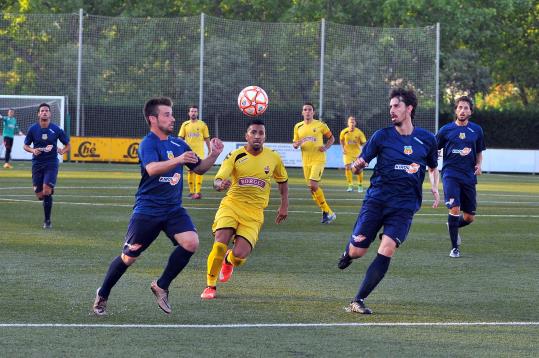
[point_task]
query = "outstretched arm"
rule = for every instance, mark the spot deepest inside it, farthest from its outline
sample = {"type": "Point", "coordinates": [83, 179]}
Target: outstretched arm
{"type": "Point", "coordinates": [282, 212]}
{"type": "Point", "coordinates": [216, 147]}
{"type": "Point", "coordinates": [434, 178]}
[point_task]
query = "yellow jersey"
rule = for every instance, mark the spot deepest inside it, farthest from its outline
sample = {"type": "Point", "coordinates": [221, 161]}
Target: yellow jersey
{"type": "Point", "coordinates": [251, 176]}
{"type": "Point", "coordinates": [312, 137]}
{"type": "Point", "coordinates": [195, 133]}
{"type": "Point", "coordinates": [352, 140]}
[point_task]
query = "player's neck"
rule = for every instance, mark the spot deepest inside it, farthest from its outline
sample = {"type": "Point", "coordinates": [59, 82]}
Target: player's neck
{"type": "Point", "coordinates": [44, 124]}
{"type": "Point", "coordinates": [461, 123]}
{"type": "Point", "coordinates": [307, 121]}
{"type": "Point", "coordinates": [406, 128]}
{"type": "Point", "coordinates": [159, 133]}
{"type": "Point", "coordinates": [252, 151]}
{"type": "Point", "coordinates": [194, 120]}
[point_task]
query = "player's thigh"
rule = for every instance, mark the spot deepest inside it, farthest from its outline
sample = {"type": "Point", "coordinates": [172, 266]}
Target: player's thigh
{"type": "Point", "coordinates": [397, 223]}
{"type": "Point", "coordinates": [316, 171]}
{"type": "Point", "coordinates": [225, 218]}
{"type": "Point", "coordinates": [38, 175]}
{"type": "Point", "coordinates": [368, 223]}
{"type": "Point", "coordinates": [451, 192]}
{"type": "Point", "coordinates": [307, 173]}
{"type": "Point", "coordinates": [347, 159]}
{"type": "Point", "coordinates": [51, 175]}
{"type": "Point", "coordinates": [468, 199]}
{"type": "Point", "coordinates": [8, 143]}
{"type": "Point", "coordinates": [180, 229]}
{"type": "Point", "coordinates": [141, 232]}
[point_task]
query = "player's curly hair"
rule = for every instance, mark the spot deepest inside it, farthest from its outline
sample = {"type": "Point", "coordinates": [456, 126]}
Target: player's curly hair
{"type": "Point", "coordinates": [151, 106]}
{"type": "Point", "coordinates": [407, 96]}
{"type": "Point", "coordinates": [256, 121]}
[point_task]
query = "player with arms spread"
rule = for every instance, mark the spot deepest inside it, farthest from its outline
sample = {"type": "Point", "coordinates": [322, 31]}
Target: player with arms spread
{"type": "Point", "coordinates": [158, 203]}
{"type": "Point", "coordinates": [403, 152]}
{"type": "Point", "coordinates": [241, 213]}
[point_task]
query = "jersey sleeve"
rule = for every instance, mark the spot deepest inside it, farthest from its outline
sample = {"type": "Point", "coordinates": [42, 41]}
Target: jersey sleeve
{"type": "Point", "coordinates": [63, 137]}
{"type": "Point", "coordinates": [148, 152]}
{"type": "Point", "coordinates": [341, 135]}
{"type": "Point", "coordinates": [371, 149]}
{"type": "Point", "coordinates": [326, 131]}
{"type": "Point", "coordinates": [182, 133]}
{"type": "Point", "coordinates": [362, 138]}
{"type": "Point", "coordinates": [279, 174]}
{"type": "Point", "coordinates": [440, 139]}
{"type": "Point", "coordinates": [432, 156]}
{"type": "Point", "coordinates": [205, 132]}
{"type": "Point", "coordinates": [29, 139]}
{"type": "Point", "coordinates": [227, 166]}
{"type": "Point", "coordinates": [296, 133]}
{"type": "Point", "coordinates": [480, 144]}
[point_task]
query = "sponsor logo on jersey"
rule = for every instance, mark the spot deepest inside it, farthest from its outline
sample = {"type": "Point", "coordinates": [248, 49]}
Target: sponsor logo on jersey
{"type": "Point", "coordinates": [267, 169]}
{"type": "Point", "coordinates": [249, 181]}
{"type": "Point", "coordinates": [463, 152]}
{"type": "Point", "coordinates": [309, 139]}
{"type": "Point", "coordinates": [408, 168]}
{"type": "Point", "coordinates": [173, 180]}
{"type": "Point", "coordinates": [462, 135]}
{"type": "Point", "coordinates": [170, 155]}
{"type": "Point", "coordinates": [193, 135]}
{"type": "Point", "coordinates": [408, 150]}
{"type": "Point", "coordinates": [45, 149]}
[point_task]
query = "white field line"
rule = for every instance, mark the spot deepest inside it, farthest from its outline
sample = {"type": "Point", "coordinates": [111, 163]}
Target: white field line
{"type": "Point", "coordinates": [192, 208]}
{"type": "Point", "coordinates": [271, 199]}
{"type": "Point", "coordinates": [268, 325]}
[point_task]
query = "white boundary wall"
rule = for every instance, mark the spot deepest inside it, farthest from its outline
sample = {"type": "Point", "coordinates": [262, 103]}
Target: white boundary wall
{"type": "Point", "coordinates": [494, 160]}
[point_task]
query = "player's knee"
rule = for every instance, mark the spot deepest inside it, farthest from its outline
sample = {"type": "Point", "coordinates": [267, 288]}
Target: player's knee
{"type": "Point", "coordinates": [469, 218]}
{"type": "Point", "coordinates": [40, 196]}
{"type": "Point", "coordinates": [128, 260]}
{"type": "Point", "coordinates": [356, 252]}
{"type": "Point", "coordinates": [387, 247]}
{"type": "Point", "coordinates": [190, 244]}
{"type": "Point", "coordinates": [455, 210]}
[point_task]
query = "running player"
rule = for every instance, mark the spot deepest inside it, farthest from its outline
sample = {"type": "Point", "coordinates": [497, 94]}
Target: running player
{"type": "Point", "coordinates": [352, 139]}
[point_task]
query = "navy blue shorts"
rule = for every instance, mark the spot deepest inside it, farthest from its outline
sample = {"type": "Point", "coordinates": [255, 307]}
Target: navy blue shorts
{"type": "Point", "coordinates": [373, 216]}
{"type": "Point", "coordinates": [460, 194]}
{"type": "Point", "coordinates": [44, 173]}
{"type": "Point", "coordinates": [144, 229]}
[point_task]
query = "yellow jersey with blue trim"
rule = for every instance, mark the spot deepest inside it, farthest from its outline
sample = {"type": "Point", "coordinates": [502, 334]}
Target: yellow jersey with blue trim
{"type": "Point", "coordinates": [251, 176]}
{"type": "Point", "coordinates": [311, 135]}
{"type": "Point", "coordinates": [352, 140]}
{"type": "Point", "coordinates": [195, 133]}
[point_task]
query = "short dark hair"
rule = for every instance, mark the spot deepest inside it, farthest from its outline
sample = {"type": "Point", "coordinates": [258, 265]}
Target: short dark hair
{"type": "Point", "coordinates": [192, 106]}
{"type": "Point", "coordinates": [256, 121]}
{"type": "Point", "coordinates": [464, 99]}
{"type": "Point", "coordinates": [309, 104]}
{"type": "Point", "coordinates": [150, 107]}
{"type": "Point", "coordinates": [407, 96]}
{"type": "Point", "coordinates": [43, 105]}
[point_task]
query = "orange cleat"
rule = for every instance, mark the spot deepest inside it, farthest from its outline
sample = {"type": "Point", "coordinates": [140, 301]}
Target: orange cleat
{"type": "Point", "coordinates": [209, 293]}
{"type": "Point", "coordinates": [226, 270]}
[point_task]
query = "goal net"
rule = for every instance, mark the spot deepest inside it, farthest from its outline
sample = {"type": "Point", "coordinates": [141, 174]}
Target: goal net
{"type": "Point", "coordinates": [26, 108]}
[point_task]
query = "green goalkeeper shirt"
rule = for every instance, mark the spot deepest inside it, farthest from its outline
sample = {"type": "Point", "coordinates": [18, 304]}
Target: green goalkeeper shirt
{"type": "Point", "coordinates": [10, 126]}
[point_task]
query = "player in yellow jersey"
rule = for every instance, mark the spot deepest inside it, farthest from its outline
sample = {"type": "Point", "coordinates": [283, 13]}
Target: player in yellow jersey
{"type": "Point", "coordinates": [247, 173]}
{"type": "Point", "coordinates": [195, 132]}
{"type": "Point", "coordinates": [352, 140]}
{"type": "Point", "coordinates": [309, 134]}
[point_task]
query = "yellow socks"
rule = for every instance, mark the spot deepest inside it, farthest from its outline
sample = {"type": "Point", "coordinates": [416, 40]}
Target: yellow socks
{"type": "Point", "coordinates": [198, 183]}
{"type": "Point", "coordinates": [191, 181]}
{"type": "Point", "coordinates": [235, 261]}
{"type": "Point", "coordinates": [320, 199]}
{"type": "Point", "coordinates": [348, 173]}
{"type": "Point", "coordinates": [215, 261]}
{"type": "Point", "coordinates": [360, 178]}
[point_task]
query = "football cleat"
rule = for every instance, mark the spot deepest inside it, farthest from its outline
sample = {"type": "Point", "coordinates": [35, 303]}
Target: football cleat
{"type": "Point", "coordinates": [358, 307]}
{"type": "Point", "coordinates": [454, 253]}
{"type": "Point", "coordinates": [344, 261]}
{"type": "Point", "coordinates": [47, 224]}
{"type": "Point", "coordinates": [196, 196]}
{"type": "Point", "coordinates": [350, 188]}
{"type": "Point", "coordinates": [209, 293]}
{"type": "Point", "coordinates": [100, 304]}
{"type": "Point", "coordinates": [161, 297]}
{"type": "Point", "coordinates": [360, 189]}
{"type": "Point", "coordinates": [8, 166]}
{"type": "Point", "coordinates": [329, 218]}
{"type": "Point", "coordinates": [226, 270]}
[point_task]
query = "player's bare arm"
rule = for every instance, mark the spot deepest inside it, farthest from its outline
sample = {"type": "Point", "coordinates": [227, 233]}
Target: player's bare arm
{"type": "Point", "coordinates": [208, 144]}
{"type": "Point", "coordinates": [221, 184]}
{"type": "Point", "coordinates": [158, 168]}
{"type": "Point", "coordinates": [434, 178]}
{"type": "Point", "coordinates": [65, 149]}
{"type": "Point", "coordinates": [358, 165]}
{"type": "Point", "coordinates": [29, 149]}
{"type": "Point", "coordinates": [330, 140]}
{"type": "Point", "coordinates": [216, 147]}
{"type": "Point", "coordinates": [282, 212]}
{"type": "Point", "coordinates": [478, 162]}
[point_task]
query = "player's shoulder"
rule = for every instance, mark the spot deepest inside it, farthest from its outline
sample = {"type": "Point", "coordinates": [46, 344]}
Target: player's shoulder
{"type": "Point", "coordinates": [202, 123]}
{"type": "Point", "coordinates": [425, 135]}
{"type": "Point", "coordinates": [299, 124]}
{"type": "Point", "coordinates": [236, 153]}
{"type": "Point", "coordinates": [272, 152]}
{"type": "Point", "coordinates": [345, 130]}
{"type": "Point", "coordinates": [447, 127]}
{"type": "Point", "coordinates": [474, 126]}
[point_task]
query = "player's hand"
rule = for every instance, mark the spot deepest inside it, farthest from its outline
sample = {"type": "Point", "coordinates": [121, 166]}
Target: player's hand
{"type": "Point", "coordinates": [322, 149]}
{"type": "Point", "coordinates": [188, 157]}
{"type": "Point", "coordinates": [221, 185]}
{"type": "Point", "coordinates": [36, 151]}
{"type": "Point", "coordinates": [216, 147]}
{"type": "Point", "coordinates": [61, 151]}
{"type": "Point", "coordinates": [477, 170]}
{"type": "Point", "coordinates": [436, 195]}
{"type": "Point", "coordinates": [358, 165]}
{"type": "Point", "coordinates": [282, 214]}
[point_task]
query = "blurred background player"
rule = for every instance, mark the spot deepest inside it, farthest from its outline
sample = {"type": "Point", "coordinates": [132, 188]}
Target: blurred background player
{"type": "Point", "coordinates": [403, 153]}
{"type": "Point", "coordinates": [9, 125]}
{"type": "Point", "coordinates": [309, 135]}
{"type": "Point", "coordinates": [158, 204]}
{"type": "Point", "coordinates": [43, 136]}
{"type": "Point", "coordinates": [463, 145]}
{"type": "Point", "coordinates": [195, 133]}
{"type": "Point", "coordinates": [241, 213]}
{"type": "Point", "coordinates": [352, 140]}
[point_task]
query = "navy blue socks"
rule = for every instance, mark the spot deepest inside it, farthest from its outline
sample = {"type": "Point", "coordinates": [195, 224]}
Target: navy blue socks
{"type": "Point", "coordinates": [375, 274]}
{"type": "Point", "coordinates": [176, 262]}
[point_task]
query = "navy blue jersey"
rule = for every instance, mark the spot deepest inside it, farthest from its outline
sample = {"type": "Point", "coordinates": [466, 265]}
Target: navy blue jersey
{"type": "Point", "coordinates": [400, 166]}
{"type": "Point", "coordinates": [461, 144]}
{"type": "Point", "coordinates": [160, 194]}
{"type": "Point", "coordinates": [45, 139]}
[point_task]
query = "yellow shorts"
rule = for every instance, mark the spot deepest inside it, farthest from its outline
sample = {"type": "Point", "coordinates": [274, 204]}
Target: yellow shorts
{"type": "Point", "coordinates": [313, 172]}
{"type": "Point", "coordinates": [349, 159]}
{"type": "Point", "coordinates": [244, 219]}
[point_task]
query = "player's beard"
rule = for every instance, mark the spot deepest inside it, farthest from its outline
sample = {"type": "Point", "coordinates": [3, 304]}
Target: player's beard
{"type": "Point", "coordinates": [463, 119]}
{"type": "Point", "coordinates": [165, 129]}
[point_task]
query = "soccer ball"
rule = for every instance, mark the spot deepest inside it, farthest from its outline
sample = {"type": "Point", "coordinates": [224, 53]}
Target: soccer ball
{"type": "Point", "coordinates": [253, 101]}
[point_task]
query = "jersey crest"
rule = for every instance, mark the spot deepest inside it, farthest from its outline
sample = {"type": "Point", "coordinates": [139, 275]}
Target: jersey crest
{"type": "Point", "coordinates": [408, 150]}
{"type": "Point", "coordinates": [170, 155]}
{"type": "Point", "coordinates": [462, 135]}
{"type": "Point", "coordinates": [266, 169]}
